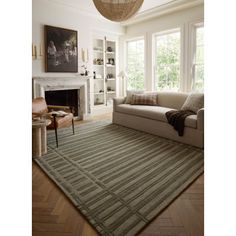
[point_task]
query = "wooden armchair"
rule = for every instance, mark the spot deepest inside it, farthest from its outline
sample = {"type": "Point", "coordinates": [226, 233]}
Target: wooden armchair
{"type": "Point", "coordinates": [61, 116]}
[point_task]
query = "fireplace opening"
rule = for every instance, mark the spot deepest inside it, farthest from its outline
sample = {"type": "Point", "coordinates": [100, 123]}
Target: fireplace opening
{"type": "Point", "coordinates": [68, 97]}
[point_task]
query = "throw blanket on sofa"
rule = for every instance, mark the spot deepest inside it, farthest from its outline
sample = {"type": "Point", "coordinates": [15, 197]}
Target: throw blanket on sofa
{"type": "Point", "coordinates": [177, 118]}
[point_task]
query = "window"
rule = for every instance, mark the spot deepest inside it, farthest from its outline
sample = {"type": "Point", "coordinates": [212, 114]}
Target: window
{"type": "Point", "coordinates": [135, 64]}
{"type": "Point", "coordinates": [198, 59]}
{"type": "Point", "coordinates": [167, 61]}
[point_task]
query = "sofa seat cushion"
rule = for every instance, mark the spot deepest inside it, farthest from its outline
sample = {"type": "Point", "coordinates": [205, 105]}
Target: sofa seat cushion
{"type": "Point", "coordinates": [153, 112]}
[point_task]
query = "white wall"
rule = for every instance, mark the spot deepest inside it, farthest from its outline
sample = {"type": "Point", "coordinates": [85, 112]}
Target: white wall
{"type": "Point", "coordinates": [182, 19]}
{"type": "Point", "coordinates": [45, 12]}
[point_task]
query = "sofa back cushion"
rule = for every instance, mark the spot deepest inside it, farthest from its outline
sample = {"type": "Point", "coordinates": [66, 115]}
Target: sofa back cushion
{"type": "Point", "coordinates": [144, 99]}
{"type": "Point", "coordinates": [194, 102]}
{"type": "Point", "coordinates": [171, 99]}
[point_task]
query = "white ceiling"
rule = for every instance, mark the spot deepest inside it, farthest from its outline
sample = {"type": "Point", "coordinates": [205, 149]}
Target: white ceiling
{"type": "Point", "coordinates": [149, 9]}
{"type": "Point", "coordinates": [149, 4]}
{"type": "Point", "coordinates": [88, 6]}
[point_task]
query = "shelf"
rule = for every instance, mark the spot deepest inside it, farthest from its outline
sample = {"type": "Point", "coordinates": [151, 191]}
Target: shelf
{"type": "Point", "coordinates": [104, 51]}
{"type": "Point", "coordinates": [97, 51]}
{"type": "Point", "coordinates": [97, 65]}
{"type": "Point", "coordinates": [99, 93]}
{"type": "Point", "coordinates": [99, 104]}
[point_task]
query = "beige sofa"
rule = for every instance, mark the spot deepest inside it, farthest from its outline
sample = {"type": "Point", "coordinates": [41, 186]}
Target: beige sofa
{"type": "Point", "coordinates": [152, 119]}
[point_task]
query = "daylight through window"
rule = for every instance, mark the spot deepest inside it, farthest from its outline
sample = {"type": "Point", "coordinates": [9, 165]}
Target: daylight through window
{"type": "Point", "coordinates": [198, 61]}
{"type": "Point", "coordinates": [135, 64]}
{"type": "Point", "coordinates": [167, 61]}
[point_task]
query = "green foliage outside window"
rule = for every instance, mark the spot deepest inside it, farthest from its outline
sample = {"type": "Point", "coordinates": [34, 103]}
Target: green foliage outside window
{"type": "Point", "coordinates": [135, 64]}
{"type": "Point", "coordinates": [167, 62]}
{"type": "Point", "coordinates": [199, 60]}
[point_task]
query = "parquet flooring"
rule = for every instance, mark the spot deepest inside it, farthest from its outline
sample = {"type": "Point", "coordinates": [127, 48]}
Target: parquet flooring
{"type": "Point", "coordinates": [54, 215]}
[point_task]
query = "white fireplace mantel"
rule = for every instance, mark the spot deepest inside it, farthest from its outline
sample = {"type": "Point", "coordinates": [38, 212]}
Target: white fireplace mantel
{"type": "Point", "coordinates": [42, 84]}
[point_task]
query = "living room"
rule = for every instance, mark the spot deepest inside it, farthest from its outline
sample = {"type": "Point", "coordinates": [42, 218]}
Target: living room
{"type": "Point", "coordinates": [120, 141]}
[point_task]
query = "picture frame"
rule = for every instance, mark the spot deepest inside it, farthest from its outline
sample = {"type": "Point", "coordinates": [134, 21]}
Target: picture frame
{"type": "Point", "coordinates": [61, 49]}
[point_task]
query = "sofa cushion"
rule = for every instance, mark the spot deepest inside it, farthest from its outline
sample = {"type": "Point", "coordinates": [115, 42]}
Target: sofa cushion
{"type": "Point", "coordinates": [130, 94]}
{"type": "Point", "coordinates": [171, 99]}
{"type": "Point", "coordinates": [153, 112]}
{"type": "Point", "coordinates": [144, 99]}
{"type": "Point", "coordinates": [194, 102]}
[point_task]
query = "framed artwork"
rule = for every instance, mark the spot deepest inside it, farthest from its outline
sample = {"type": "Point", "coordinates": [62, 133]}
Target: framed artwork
{"type": "Point", "coordinates": [61, 49]}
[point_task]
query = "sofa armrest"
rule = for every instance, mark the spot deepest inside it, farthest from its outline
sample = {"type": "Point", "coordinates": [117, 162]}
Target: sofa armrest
{"type": "Point", "coordinates": [200, 119]}
{"type": "Point", "coordinates": [118, 101]}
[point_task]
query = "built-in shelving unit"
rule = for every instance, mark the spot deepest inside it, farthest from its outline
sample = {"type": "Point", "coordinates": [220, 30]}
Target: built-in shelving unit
{"type": "Point", "coordinates": [104, 87]}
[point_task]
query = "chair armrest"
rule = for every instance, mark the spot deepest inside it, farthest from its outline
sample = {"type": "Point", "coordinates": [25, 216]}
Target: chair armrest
{"type": "Point", "coordinates": [200, 119]}
{"type": "Point", "coordinates": [118, 101]}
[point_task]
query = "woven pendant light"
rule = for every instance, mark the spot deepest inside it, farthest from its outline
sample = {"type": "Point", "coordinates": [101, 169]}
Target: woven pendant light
{"type": "Point", "coordinates": [118, 10]}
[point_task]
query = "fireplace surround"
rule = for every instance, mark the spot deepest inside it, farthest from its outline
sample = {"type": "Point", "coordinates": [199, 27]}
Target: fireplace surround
{"type": "Point", "coordinates": [80, 83]}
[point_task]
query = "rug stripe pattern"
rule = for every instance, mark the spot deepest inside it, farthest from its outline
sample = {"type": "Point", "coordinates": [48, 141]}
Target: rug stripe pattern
{"type": "Point", "coordinates": [119, 178]}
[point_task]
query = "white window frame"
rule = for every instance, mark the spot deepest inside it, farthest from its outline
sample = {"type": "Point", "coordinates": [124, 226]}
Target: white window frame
{"type": "Point", "coordinates": [133, 39]}
{"type": "Point", "coordinates": [193, 29]}
{"type": "Point", "coordinates": [179, 29]}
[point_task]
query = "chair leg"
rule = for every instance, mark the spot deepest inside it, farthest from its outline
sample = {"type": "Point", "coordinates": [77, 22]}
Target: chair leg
{"type": "Point", "coordinates": [73, 128]}
{"type": "Point", "coordinates": [55, 127]}
{"type": "Point", "coordinates": [56, 136]}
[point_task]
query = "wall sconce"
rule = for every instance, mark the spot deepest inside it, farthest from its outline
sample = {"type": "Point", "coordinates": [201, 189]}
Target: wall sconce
{"type": "Point", "coordinates": [84, 55]}
{"type": "Point", "coordinates": [37, 53]}
{"type": "Point", "coordinates": [84, 59]}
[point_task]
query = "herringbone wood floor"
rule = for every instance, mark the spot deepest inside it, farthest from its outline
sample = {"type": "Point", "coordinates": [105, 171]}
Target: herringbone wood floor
{"type": "Point", "coordinates": [54, 215]}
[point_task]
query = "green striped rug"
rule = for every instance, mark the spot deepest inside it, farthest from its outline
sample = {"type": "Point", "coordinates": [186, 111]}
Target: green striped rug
{"type": "Point", "coordinates": [119, 178]}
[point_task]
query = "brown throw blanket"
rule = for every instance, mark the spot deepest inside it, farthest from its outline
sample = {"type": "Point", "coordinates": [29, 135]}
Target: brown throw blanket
{"type": "Point", "coordinates": [177, 118]}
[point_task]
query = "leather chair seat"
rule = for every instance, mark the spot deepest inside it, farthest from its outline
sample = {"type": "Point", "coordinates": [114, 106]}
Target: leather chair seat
{"type": "Point", "coordinates": [40, 109]}
{"type": "Point", "coordinates": [61, 122]}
